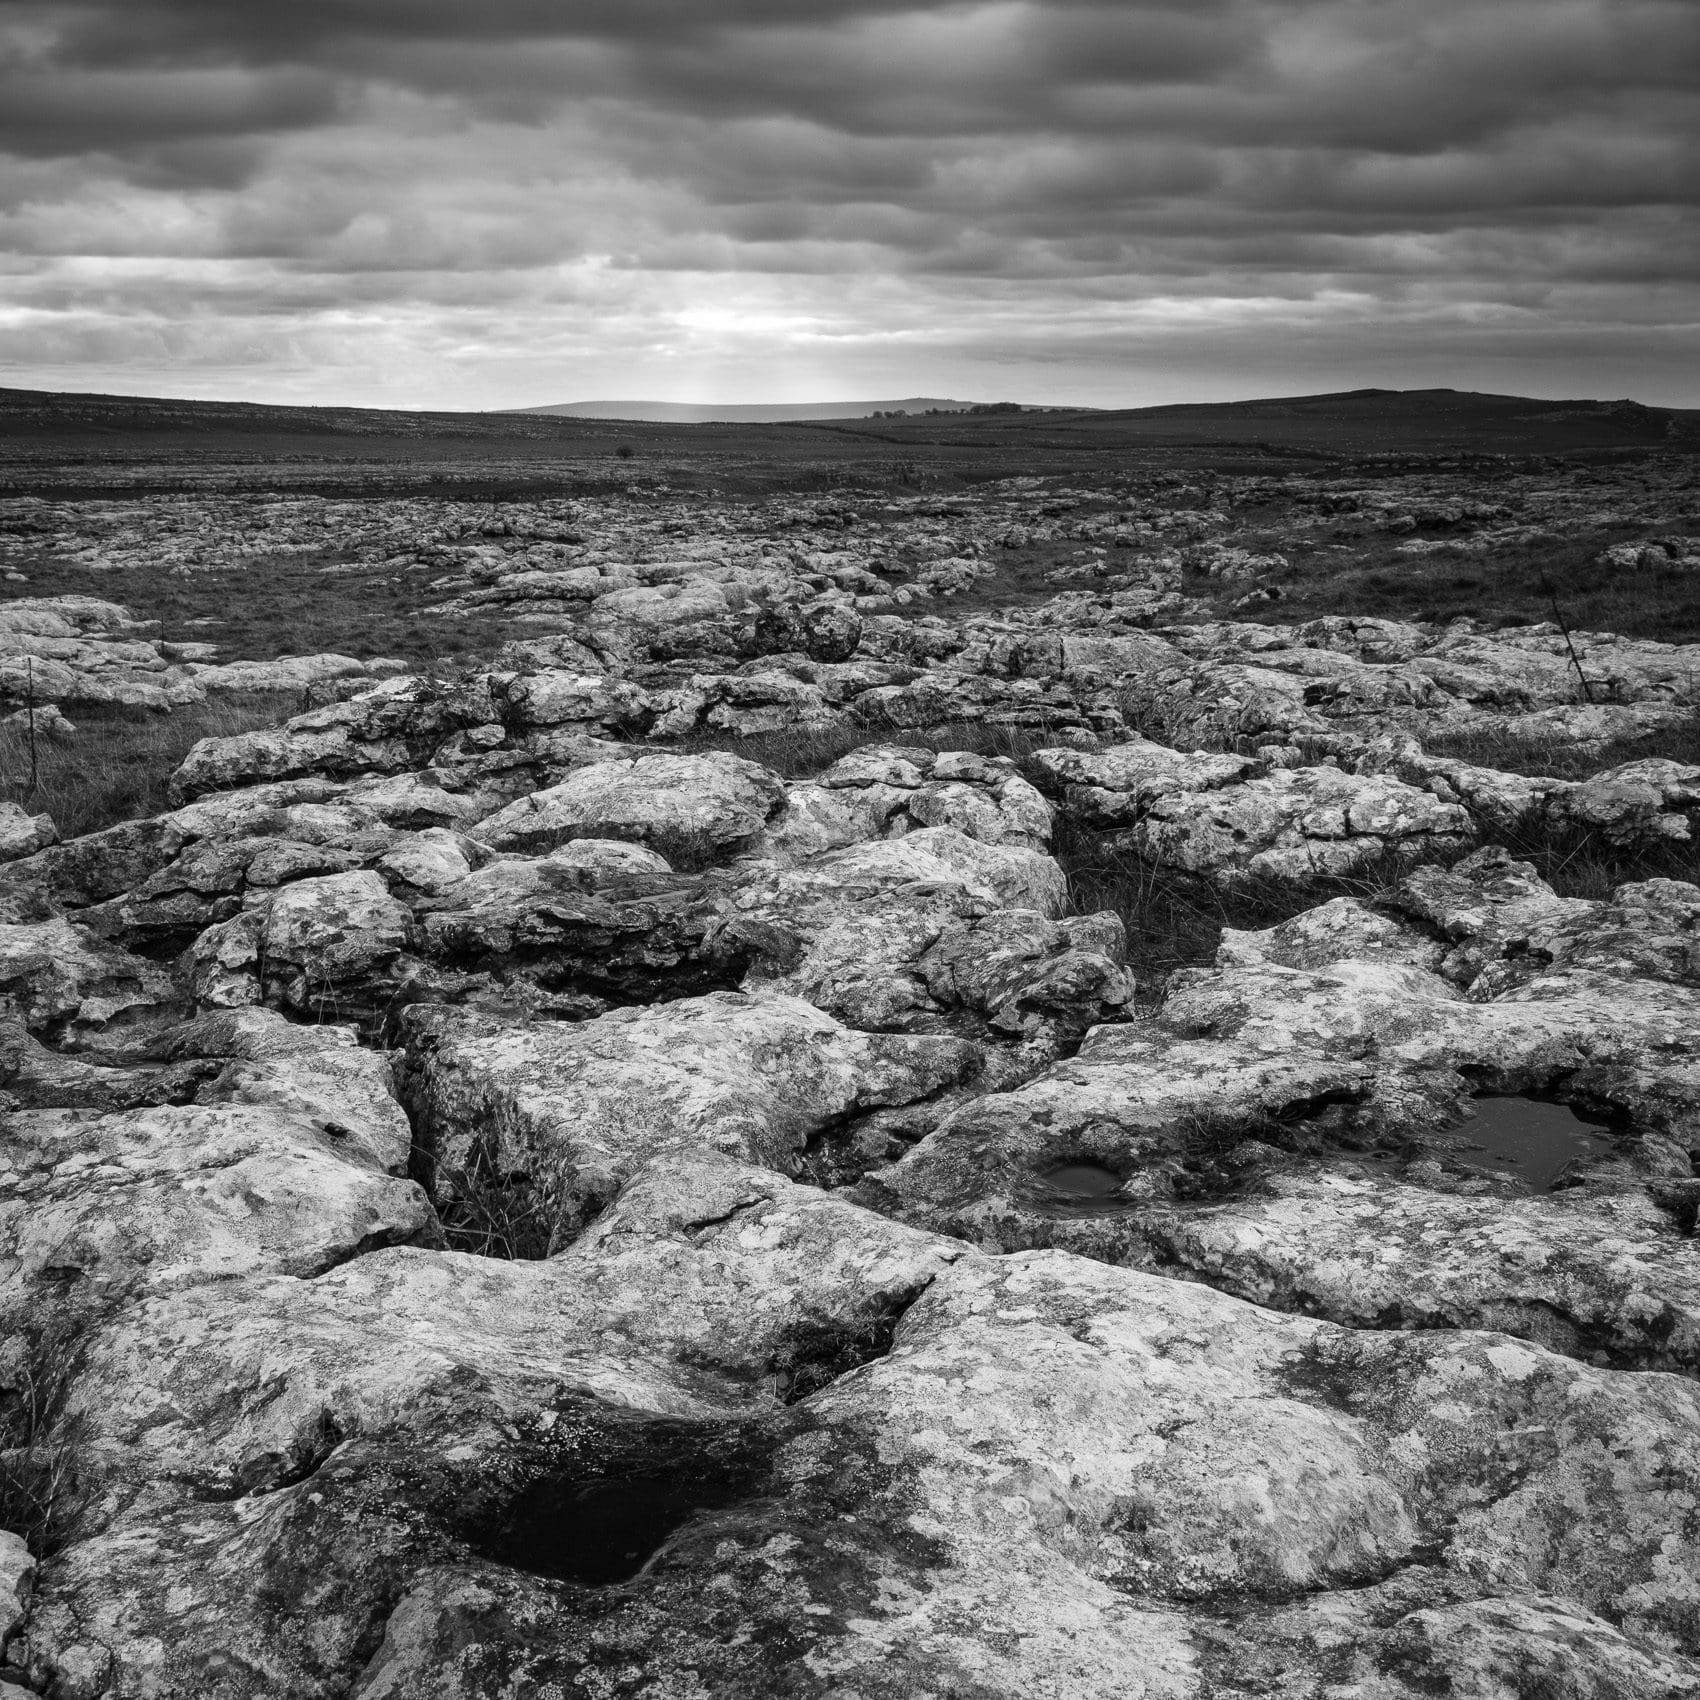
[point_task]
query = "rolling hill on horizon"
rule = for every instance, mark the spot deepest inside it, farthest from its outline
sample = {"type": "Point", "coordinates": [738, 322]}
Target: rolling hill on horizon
{"type": "Point", "coordinates": [39, 427]}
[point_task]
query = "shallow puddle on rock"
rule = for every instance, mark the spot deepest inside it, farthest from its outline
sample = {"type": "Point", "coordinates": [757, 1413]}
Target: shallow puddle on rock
{"type": "Point", "coordinates": [1530, 1137]}
{"type": "Point", "coordinates": [1079, 1189]}
{"type": "Point", "coordinates": [1083, 1180]}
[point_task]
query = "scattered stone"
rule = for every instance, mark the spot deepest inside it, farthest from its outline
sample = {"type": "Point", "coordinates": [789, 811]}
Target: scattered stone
{"type": "Point", "coordinates": [22, 834]}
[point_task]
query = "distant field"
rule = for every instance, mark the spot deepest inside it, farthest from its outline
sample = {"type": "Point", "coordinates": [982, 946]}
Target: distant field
{"type": "Point", "coordinates": [76, 448]}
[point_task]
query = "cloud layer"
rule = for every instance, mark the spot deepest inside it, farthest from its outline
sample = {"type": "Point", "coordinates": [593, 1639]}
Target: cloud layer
{"type": "Point", "coordinates": [458, 204]}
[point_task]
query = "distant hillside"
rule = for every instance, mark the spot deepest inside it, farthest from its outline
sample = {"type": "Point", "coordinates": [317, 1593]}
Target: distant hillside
{"type": "Point", "coordinates": [756, 413]}
{"type": "Point", "coordinates": [52, 441]}
{"type": "Point", "coordinates": [1371, 421]}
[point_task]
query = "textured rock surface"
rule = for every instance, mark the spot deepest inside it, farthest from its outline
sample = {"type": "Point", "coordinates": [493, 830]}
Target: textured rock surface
{"type": "Point", "coordinates": [1091, 1460]}
{"type": "Point", "coordinates": [757, 1076]}
{"type": "Point", "coordinates": [503, 1197]}
{"type": "Point", "coordinates": [22, 834]}
{"type": "Point", "coordinates": [719, 800]}
{"type": "Point", "coordinates": [81, 649]}
{"type": "Point", "coordinates": [1293, 1126]}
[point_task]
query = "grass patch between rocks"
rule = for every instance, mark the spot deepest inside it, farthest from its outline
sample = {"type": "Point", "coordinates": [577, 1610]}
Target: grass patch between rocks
{"type": "Point", "coordinates": [1174, 919]}
{"type": "Point", "coordinates": [1551, 760]}
{"type": "Point", "coordinates": [38, 1487]}
{"type": "Point", "coordinates": [117, 764]}
{"type": "Point", "coordinates": [1576, 862]}
{"type": "Point", "coordinates": [1514, 584]}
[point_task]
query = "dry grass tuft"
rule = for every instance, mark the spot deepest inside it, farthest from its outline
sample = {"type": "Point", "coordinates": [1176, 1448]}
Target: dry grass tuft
{"type": "Point", "coordinates": [519, 1218]}
{"type": "Point", "coordinates": [1174, 919]}
{"type": "Point", "coordinates": [1576, 862]}
{"type": "Point", "coordinates": [38, 1485]}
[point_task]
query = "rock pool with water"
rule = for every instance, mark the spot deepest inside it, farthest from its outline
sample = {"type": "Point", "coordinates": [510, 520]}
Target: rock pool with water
{"type": "Point", "coordinates": [1531, 1139]}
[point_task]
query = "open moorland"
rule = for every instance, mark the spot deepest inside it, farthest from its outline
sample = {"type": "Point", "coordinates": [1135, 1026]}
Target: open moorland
{"type": "Point", "coordinates": [990, 1055]}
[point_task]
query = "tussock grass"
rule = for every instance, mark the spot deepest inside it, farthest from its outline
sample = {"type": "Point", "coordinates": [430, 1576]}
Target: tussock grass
{"type": "Point", "coordinates": [117, 764]}
{"type": "Point", "coordinates": [1174, 919]}
{"type": "Point", "coordinates": [1576, 862]}
{"type": "Point", "coordinates": [517, 1217]}
{"type": "Point", "coordinates": [38, 1485]}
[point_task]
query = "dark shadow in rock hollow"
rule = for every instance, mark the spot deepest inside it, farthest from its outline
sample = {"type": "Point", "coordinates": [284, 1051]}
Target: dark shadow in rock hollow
{"type": "Point", "coordinates": [592, 1495]}
{"type": "Point", "coordinates": [1531, 1139]}
{"type": "Point", "coordinates": [593, 1532]}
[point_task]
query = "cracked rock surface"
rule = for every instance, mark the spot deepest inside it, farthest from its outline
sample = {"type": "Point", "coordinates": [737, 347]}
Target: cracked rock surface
{"type": "Point", "coordinates": [516, 1188]}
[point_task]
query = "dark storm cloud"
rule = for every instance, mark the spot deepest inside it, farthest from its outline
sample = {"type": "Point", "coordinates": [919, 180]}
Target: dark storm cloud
{"type": "Point", "coordinates": [1020, 174]}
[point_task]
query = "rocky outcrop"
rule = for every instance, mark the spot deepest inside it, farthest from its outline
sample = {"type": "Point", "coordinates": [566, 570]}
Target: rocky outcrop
{"type": "Point", "coordinates": [574, 1111]}
{"type": "Point", "coordinates": [1093, 1459]}
{"type": "Point", "coordinates": [703, 807]}
{"type": "Point", "coordinates": [506, 1197]}
{"type": "Point", "coordinates": [57, 978]}
{"type": "Point", "coordinates": [1294, 1126]}
{"type": "Point", "coordinates": [80, 649]}
{"type": "Point", "coordinates": [1637, 804]}
{"type": "Point", "coordinates": [1236, 820]}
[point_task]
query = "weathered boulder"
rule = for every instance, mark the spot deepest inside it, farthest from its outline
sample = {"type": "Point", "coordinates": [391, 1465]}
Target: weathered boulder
{"type": "Point", "coordinates": [889, 789]}
{"type": "Point", "coordinates": [54, 976]}
{"type": "Point", "coordinates": [928, 931]}
{"type": "Point", "coordinates": [97, 1208]}
{"type": "Point", "coordinates": [574, 1109]}
{"type": "Point", "coordinates": [290, 673]}
{"type": "Point", "coordinates": [1638, 805]}
{"type": "Point", "coordinates": [694, 807]}
{"type": "Point", "coordinates": [1115, 787]}
{"type": "Point", "coordinates": [824, 628]}
{"type": "Point", "coordinates": [332, 945]}
{"type": "Point", "coordinates": [1014, 876]}
{"type": "Point", "coordinates": [1505, 927]}
{"type": "Point", "coordinates": [427, 862]}
{"type": "Point", "coordinates": [594, 922]}
{"type": "Point", "coordinates": [393, 727]}
{"type": "Point", "coordinates": [22, 834]}
{"type": "Point", "coordinates": [317, 1071]}
{"type": "Point", "coordinates": [555, 697]}
{"type": "Point", "coordinates": [1230, 817]}
{"type": "Point", "coordinates": [1297, 825]}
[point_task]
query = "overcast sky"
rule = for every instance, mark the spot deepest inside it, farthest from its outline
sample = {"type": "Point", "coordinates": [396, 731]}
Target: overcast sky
{"type": "Point", "coordinates": [483, 203]}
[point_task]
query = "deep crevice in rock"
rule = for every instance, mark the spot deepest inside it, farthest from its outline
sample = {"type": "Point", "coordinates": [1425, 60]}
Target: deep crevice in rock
{"type": "Point", "coordinates": [817, 1351]}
